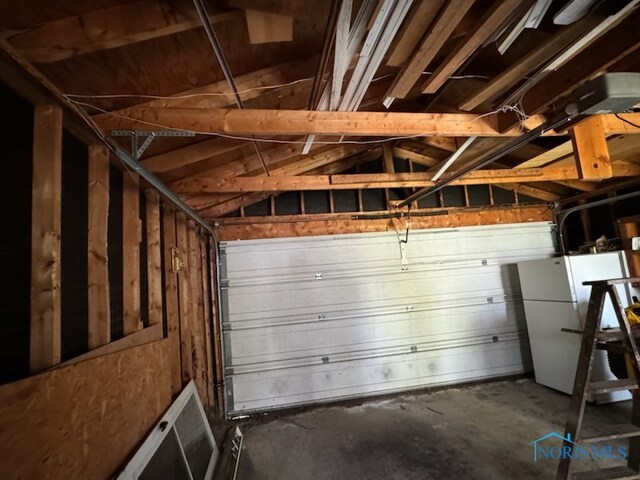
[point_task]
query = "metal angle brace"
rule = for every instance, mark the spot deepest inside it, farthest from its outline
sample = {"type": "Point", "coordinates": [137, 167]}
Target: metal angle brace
{"type": "Point", "coordinates": [137, 148]}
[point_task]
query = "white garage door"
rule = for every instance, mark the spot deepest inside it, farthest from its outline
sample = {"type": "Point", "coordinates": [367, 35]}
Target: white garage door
{"type": "Point", "coordinates": [315, 319]}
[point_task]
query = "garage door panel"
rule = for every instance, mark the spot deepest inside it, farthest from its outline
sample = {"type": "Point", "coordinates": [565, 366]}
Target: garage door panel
{"type": "Point", "coordinates": [380, 291]}
{"type": "Point", "coordinates": [326, 382]}
{"type": "Point", "coordinates": [370, 310]}
{"type": "Point", "coordinates": [340, 254]}
{"type": "Point", "coordinates": [362, 305]}
{"type": "Point", "coordinates": [252, 346]}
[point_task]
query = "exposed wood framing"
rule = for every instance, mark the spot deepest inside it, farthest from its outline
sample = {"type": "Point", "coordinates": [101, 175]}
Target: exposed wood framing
{"type": "Point", "coordinates": [222, 148]}
{"type": "Point", "coordinates": [184, 292]}
{"type": "Point", "coordinates": [282, 183]}
{"type": "Point", "coordinates": [250, 86]}
{"type": "Point", "coordinates": [290, 163]}
{"type": "Point", "coordinates": [198, 352]}
{"type": "Point", "coordinates": [407, 39]}
{"type": "Point", "coordinates": [563, 150]}
{"type": "Point", "coordinates": [598, 57]}
{"type": "Point", "coordinates": [214, 207]}
{"type": "Point", "coordinates": [106, 29]}
{"type": "Point", "coordinates": [45, 341]}
{"type": "Point", "coordinates": [486, 26]}
{"type": "Point", "coordinates": [171, 295]}
{"type": "Point", "coordinates": [591, 151]}
{"type": "Point", "coordinates": [131, 238]}
{"type": "Point", "coordinates": [387, 157]}
{"type": "Point", "coordinates": [413, 152]}
{"type": "Point", "coordinates": [154, 257]}
{"type": "Point", "coordinates": [532, 60]}
{"type": "Point", "coordinates": [334, 224]}
{"type": "Point", "coordinates": [294, 122]}
{"type": "Point", "coordinates": [432, 42]}
{"type": "Point", "coordinates": [97, 266]}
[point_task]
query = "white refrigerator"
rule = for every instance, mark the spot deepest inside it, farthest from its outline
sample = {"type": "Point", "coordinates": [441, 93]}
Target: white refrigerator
{"type": "Point", "coordinates": [555, 305]}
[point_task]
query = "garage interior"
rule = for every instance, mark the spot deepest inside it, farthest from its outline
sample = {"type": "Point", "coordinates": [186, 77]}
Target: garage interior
{"type": "Point", "coordinates": [279, 239]}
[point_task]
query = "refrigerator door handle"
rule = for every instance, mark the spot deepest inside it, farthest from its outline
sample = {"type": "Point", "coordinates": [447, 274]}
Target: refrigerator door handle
{"type": "Point", "coordinates": [571, 330]}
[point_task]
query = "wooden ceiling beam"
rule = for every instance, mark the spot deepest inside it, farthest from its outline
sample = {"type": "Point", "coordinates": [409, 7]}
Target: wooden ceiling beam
{"type": "Point", "coordinates": [281, 183]}
{"type": "Point", "coordinates": [106, 29]}
{"type": "Point", "coordinates": [437, 34]}
{"type": "Point", "coordinates": [219, 208]}
{"type": "Point", "coordinates": [590, 148]}
{"type": "Point", "coordinates": [196, 152]}
{"type": "Point", "coordinates": [543, 159]}
{"type": "Point", "coordinates": [563, 150]}
{"type": "Point", "coordinates": [287, 161]}
{"type": "Point", "coordinates": [419, 18]}
{"type": "Point", "coordinates": [483, 30]}
{"type": "Point", "coordinates": [533, 192]}
{"type": "Point", "coordinates": [416, 155]}
{"type": "Point", "coordinates": [252, 86]}
{"type": "Point", "coordinates": [263, 122]}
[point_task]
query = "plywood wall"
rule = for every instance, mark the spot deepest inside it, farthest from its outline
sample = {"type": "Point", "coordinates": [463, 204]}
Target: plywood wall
{"type": "Point", "coordinates": [85, 420]}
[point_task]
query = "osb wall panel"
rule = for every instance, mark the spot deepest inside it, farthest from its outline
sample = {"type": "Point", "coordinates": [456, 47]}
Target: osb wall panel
{"type": "Point", "coordinates": [83, 421]}
{"type": "Point", "coordinates": [276, 228]}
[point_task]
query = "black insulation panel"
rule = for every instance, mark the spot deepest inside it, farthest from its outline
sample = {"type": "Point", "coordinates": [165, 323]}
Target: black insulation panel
{"type": "Point", "coordinates": [16, 140]}
{"type": "Point", "coordinates": [73, 245]}
{"type": "Point", "coordinates": [114, 250]}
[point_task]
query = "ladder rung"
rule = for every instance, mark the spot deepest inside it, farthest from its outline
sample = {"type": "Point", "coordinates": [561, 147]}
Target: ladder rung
{"type": "Point", "coordinates": [615, 334]}
{"type": "Point", "coordinates": [617, 473]}
{"type": "Point", "coordinates": [613, 432]}
{"type": "Point", "coordinates": [613, 385]}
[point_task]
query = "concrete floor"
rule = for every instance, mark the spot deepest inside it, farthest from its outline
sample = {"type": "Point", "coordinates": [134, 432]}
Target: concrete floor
{"type": "Point", "coordinates": [473, 432]}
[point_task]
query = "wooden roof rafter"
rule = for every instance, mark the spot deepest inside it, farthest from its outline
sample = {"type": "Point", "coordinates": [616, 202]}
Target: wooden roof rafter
{"type": "Point", "coordinates": [105, 29]}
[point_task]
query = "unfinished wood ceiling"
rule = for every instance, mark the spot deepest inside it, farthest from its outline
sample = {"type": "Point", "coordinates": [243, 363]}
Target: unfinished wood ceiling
{"type": "Point", "coordinates": [148, 65]}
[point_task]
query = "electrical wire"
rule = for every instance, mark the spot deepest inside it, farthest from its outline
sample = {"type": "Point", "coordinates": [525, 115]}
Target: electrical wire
{"type": "Point", "coordinates": [197, 95]}
{"type": "Point", "coordinates": [221, 94]}
{"type": "Point", "coordinates": [626, 121]}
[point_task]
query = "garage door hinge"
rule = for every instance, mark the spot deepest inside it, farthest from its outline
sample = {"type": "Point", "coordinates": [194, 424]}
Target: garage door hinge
{"type": "Point", "coordinates": [325, 359]}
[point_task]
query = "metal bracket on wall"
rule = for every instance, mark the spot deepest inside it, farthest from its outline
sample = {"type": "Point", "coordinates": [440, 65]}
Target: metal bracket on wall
{"type": "Point", "coordinates": [137, 148]}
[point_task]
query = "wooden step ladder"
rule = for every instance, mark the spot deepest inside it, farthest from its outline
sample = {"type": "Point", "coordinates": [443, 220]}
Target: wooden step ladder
{"type": "Point", "coordinates": [592, 337]}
